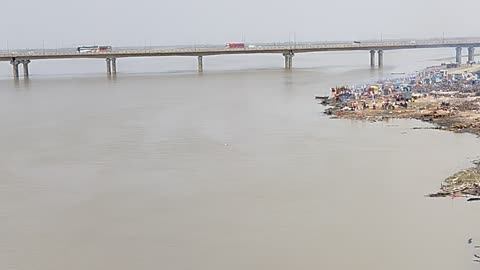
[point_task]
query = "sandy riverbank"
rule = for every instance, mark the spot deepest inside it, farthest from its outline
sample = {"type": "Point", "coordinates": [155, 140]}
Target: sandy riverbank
{"type": "Point", "coordinates": [450, 113]}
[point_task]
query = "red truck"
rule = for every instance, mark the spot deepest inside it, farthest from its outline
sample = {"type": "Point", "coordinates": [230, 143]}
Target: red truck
{"type": "Point", "coordinates": [235, 45]}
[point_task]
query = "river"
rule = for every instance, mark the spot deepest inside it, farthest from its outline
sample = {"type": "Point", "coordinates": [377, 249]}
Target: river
{"type": "Point", "coordinates": [238, 168]}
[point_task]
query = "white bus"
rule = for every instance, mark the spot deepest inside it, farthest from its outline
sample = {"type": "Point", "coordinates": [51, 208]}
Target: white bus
{"type": "Point", "coordinates": [93, 49]}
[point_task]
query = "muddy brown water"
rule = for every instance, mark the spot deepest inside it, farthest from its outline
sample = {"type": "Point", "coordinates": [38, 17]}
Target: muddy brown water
{"type": "Point", "coordinates": [228, 170]}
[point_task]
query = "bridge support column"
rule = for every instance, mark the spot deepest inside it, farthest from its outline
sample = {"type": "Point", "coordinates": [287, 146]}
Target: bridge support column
{"type": "Point", "coordinates": [109, 67]}
{"type": "Point", "coordinates": [471, 54]}
{"type": "Point", "coordinates": [25, 63]}
{"type": "Point", "coordinates": [288, 60]}
{"type": "Point", "coordinates": [372, 58]}
{"type": "Point", "coordinates": [15, 64]}
{"type": "Point", "coordinates": [458, 55]}
{"type": "Point", "coordinates": [380, 58]}
{"type": "Point", "coordinates": [114, 65]}
{"type": "Point", "coordinates": [200, 64]}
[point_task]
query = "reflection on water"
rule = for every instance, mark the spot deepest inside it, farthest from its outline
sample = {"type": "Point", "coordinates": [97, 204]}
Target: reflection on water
{"type": "Point", "coordinates": [112, 77]}
{"type": "Point", "coordinates": [19, 83]}
{"type": "Point", "coordinates": [16, 82]}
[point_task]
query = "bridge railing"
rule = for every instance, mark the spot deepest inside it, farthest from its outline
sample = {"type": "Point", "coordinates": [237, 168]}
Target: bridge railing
{"type": "Point", "coordinates": [200, 50]}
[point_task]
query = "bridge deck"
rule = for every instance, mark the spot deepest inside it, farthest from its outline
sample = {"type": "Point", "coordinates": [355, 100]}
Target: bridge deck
{"type": "Point", "coordinates": [418, 44]}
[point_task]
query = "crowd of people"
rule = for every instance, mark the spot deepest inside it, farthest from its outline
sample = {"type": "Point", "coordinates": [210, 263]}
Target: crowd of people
{"type": "Point", "coordinates": [359, 99]}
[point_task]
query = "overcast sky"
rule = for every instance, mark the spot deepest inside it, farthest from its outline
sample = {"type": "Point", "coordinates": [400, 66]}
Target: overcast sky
{"type": "Point", "coordinates": [32, 23]}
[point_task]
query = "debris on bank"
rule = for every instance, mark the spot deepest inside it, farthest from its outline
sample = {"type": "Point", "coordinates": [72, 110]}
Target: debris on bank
{"type": "Point", "coordinates": [465, 183]}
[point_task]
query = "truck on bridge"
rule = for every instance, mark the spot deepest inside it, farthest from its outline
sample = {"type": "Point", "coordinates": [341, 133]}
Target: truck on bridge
{"type": "Point", "coordinates": [235, 45]}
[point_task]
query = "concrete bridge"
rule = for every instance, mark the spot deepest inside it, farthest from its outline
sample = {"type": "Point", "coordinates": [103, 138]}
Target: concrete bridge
{"type": "Point", "coordinates": [288, 51]}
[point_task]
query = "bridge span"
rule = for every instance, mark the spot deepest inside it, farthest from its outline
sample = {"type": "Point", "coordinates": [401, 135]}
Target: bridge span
{"type": "Point", "coordinates": [376, 50]}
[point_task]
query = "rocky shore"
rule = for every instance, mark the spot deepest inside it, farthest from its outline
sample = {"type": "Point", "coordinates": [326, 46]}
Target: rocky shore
{"type": "Point", "coordinates": [435, 96]}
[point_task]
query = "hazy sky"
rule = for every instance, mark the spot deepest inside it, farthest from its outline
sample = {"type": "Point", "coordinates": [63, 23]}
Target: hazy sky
{"type": "Point", "coordinates": [32, 23]}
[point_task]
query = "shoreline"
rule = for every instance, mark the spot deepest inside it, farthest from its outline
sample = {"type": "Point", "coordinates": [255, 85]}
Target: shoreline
{"type": "Point", "coordinates": [448, 100]}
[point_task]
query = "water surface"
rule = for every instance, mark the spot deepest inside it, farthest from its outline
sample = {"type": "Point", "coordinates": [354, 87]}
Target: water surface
{"type": "Point", "coordinates": [237, 168]}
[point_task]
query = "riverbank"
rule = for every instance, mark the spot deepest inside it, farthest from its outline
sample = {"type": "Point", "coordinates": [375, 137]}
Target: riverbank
{"type": "Point", "coordinates": [448, 100]}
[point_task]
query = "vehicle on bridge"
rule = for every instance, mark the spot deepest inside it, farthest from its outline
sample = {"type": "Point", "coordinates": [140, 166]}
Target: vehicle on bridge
{"type": "Point", "coordinates": [93, 49]}
{"type": "Point", "coordinates": [235, 45]}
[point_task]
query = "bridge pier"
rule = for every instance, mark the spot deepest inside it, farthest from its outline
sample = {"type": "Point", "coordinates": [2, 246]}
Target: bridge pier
{"type": "Point", "coordinates": [109, 66]}
{"type": "Point", "coordinates": [458, 55]}
{"type": "Point", "coordinates": [380, 58]}
{"type": "Point", "coordinates": [114, 66]}
{"type": "Point", "coordinates": [200, 64]}
{"type": "Point", "coordinates": [372, 58]}
{"type": "Point", "coordinates": [288, 60]}
{"type": "Point", "coordinates": [25, 63]}
{"type": "Point", "coordinates": [15, 64]}
{"type": "Point", "coordinates": [471, 54]}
